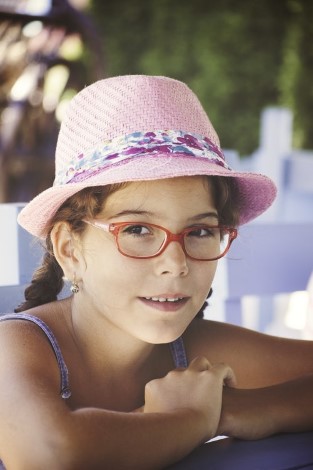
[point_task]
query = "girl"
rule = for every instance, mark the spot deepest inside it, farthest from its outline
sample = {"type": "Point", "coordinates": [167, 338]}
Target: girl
{"type": "Point", "coordinates": [125, 373]}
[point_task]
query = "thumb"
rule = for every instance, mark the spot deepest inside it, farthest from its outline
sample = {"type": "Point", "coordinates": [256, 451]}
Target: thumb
{"type": "Point", "coordinates": [230, 378]}
{"type": "Point", "coordinates": [199, 364]}
{"type": "Point", "coordinates": [227, 374]}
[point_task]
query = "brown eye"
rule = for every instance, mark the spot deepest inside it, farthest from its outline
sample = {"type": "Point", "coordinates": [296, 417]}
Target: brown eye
{"type": "Point", "coordinates": [139, 230]}
{"type": "Point", "coordinates": [202, 232]}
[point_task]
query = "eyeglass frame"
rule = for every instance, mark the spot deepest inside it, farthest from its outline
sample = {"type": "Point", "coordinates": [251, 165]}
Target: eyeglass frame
{"type": "Point", "coordinates": [115, 228]}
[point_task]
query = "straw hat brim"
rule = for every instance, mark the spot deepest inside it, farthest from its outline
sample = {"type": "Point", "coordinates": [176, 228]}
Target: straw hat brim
{"type": "Point", "coordinates": [255, 194]}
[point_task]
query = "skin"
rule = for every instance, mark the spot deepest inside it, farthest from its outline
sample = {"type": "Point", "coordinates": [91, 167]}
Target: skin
{"type": "Point", "coordinates": [114, 342]}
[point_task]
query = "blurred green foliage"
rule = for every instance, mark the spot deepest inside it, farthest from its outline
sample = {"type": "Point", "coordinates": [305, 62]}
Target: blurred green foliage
{"type": "Point", "coordinates": [239, 56]}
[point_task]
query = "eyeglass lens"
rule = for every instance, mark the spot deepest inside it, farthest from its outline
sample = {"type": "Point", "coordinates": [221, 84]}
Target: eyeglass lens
{"type": "Point", "coordinates": [146, 240]}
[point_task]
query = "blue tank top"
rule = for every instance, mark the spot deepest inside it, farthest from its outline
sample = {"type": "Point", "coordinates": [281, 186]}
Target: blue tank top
{"type": "Point", "coordinates": [177, 349]}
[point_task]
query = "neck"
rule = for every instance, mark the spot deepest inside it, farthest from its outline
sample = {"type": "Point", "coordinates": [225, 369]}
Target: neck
{"type": "Point", "coordinates": [103, 345]}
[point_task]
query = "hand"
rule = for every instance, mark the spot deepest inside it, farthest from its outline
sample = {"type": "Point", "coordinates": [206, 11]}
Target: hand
{"type": "Point", "coordinates": [198, 389]}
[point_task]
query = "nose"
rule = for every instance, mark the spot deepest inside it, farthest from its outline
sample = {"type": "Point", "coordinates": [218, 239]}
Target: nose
{"type": "Point", "coordinates": [173, 260]}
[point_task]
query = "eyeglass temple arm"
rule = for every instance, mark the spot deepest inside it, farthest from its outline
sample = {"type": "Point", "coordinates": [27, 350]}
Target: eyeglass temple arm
{"type": "Point", "coordinates": [99, 225]}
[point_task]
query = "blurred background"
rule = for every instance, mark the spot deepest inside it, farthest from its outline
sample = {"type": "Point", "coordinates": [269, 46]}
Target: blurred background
{"type": "Point", "coordinates": [239, 56]}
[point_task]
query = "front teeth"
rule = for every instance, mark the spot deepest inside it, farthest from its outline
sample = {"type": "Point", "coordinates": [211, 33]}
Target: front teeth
{"type": "Point", "coordinates": [163, 299]}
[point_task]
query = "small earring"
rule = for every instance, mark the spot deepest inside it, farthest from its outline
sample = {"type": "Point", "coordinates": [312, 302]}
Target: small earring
{"type": "Point", "coordinates": [74, 287]}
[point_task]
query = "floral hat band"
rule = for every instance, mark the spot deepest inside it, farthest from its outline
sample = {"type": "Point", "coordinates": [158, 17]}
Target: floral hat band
{"type": "Point", "coordinates": [137, 144]}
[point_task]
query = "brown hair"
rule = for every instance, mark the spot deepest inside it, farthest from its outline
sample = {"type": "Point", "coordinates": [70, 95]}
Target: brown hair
{"type": "Point", "coordinates": [47, 281]}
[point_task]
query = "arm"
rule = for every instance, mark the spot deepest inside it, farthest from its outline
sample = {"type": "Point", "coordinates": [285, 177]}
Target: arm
{"type": "Point", "coordinates": [274, 379]}
{"type": "Point", "coordinates": [261, 412]}
{"type": "Point", "coordinates": [38, 430]}
{"type": "Point", "coordinates": [94, 438]}
{"type": "Point", "coordinates": [258, 360]}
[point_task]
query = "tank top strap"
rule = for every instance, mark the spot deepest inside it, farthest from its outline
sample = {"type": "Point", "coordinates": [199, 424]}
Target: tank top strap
{"type": "Point", "coordinates": [177, 349]}
{"type": "Point", "coordinates": [65, 389]}
{"type": "Point", "coordinates": [179, 353]}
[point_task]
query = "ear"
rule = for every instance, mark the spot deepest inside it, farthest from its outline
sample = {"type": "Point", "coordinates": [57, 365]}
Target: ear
{"type": "Point", "coordinates": [67, 250]}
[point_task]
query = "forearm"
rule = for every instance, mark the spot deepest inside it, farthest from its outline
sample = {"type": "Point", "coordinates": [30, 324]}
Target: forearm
{"type": "Point", "coordinates": [99, 439]}
{"type": "Point", "coordinates": [181, 411]}
{"type": "Point", "coordinates": [257, 413]}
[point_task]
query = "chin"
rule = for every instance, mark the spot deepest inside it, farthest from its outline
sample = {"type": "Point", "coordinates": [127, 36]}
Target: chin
{"type": "Point", "coordinates": [164, 337]}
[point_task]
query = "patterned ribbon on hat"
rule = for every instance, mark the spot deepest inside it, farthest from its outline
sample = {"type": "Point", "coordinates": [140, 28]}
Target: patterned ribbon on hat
{"type": "Point", "coordinates": [171, 142]}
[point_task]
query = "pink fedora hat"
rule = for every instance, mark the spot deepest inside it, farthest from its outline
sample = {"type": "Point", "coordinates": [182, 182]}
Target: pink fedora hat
{"type": "Point", "coordinates": [132, 128]}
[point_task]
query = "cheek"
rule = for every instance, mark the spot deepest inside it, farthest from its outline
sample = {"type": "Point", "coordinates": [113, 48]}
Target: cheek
{"type": "Point", "coordinates": [212, 270]}
{"type": "Point", "coordinates": [116, 270]}
{"type": "Point", "coordinates": [206, 272]}
{"type": "Point", "coordinates": [203, 278]}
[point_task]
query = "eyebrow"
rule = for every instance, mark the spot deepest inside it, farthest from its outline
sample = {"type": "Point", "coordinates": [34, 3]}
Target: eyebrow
{"type": "Point", "coordinates": [130, 212]}
{"type": "Point", "coordinates": [204, 215]}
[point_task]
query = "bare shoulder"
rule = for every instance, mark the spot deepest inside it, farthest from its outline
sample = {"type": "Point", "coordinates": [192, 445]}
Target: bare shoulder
{"type": "Point", "coordinates": [258, 359]}
{"type": "Point", "coordinates": [25, 351]}
{"type": "Point", "coordinates": [27, 357]}
{"type": "Point", "coordinates": [29, 390]}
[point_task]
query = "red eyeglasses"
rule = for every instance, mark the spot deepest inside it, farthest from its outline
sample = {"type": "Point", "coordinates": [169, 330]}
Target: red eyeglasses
{"type": "Point", "coordinates": [143, 240]}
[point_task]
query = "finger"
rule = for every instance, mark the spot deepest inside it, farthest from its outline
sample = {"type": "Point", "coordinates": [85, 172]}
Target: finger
{"type": "Point", "coordinates": [228, 374]}
{"type": "Point", "coordinates": [199, 364]}
{"type": "Point", "coordinates": [230, 379]}
{"type": "Point", "coordinates": [139, 410]}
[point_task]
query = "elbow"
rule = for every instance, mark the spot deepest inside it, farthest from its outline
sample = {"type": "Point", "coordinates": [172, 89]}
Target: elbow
{"type": "Point", "coordinates": [60, 452]}
{"type": "Point", "coordinates": [56, 452]}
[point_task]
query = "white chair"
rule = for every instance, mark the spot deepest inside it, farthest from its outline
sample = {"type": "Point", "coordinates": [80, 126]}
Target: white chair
{"type": "Point", "coordinates": [266, 260]}
{"type": "Point", "coordinates": [20, 254]}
